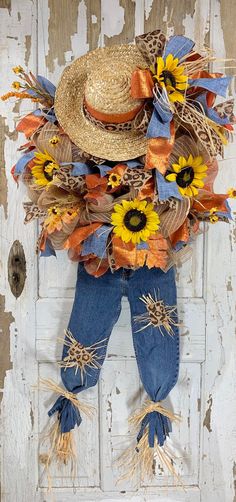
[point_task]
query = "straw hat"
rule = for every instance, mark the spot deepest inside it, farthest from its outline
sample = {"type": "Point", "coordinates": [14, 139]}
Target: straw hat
{"type": "Point", "coordinates": [94, 106]}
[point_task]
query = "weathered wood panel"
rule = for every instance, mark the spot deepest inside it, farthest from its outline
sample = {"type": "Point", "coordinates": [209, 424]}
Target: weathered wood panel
{"type": "Point", "coordinates": [205, 394]}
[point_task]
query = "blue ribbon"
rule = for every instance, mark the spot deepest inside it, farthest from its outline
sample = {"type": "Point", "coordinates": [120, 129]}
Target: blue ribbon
{"type": "Point", "coordinates": [48, 114]}
{"type": "Point", "coordinates": [210, 112]}
{"type": "Point", "coordinates": [48, 251]}
{"type": "Point", "coordinates": [159, 125]}
{"type": "Point", "coordinates": [47, 85]}
{"type": "Point", "coordinates": [158, 425]}
{"type": "Point", "coordinates": [142, 245]}
{"type": "Point", "coordinates": [166, 189]}
{"type": "Point", "coordinates": [216, 85]}
{"type": "Point", "coordinates": [22, 162]}
{"type": "Point", "coordinates": [97, 242]}
{"type": "Point", "coordinates": [179, 46]}
{"type": "Point", "coordinates": [79, 168]}
{"type": "Point", "coordinates": [69, 415]}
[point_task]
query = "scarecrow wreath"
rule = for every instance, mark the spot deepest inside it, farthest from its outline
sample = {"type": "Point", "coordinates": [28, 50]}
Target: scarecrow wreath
{"type": "Point", "coordinates": [119, 163]}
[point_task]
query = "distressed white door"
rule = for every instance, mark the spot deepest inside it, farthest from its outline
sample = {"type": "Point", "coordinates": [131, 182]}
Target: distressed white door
{"type": "Point", "coordinates": [44, 36]}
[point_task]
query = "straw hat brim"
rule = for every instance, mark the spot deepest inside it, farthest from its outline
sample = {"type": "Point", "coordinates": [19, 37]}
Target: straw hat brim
{"type": "Point", "coordinates": [116, 146]}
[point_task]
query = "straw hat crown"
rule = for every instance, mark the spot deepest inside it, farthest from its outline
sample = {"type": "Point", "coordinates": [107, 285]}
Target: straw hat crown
{"type": "Point", "coordinates": [94, 105]}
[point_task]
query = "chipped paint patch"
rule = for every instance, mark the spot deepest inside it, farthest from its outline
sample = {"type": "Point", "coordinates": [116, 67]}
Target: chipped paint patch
{"type": "Point", "coordinates": [228, 27]}
{"type": "Point", "coordinates": [124, 22]}
{"type": "Point", "coordinates": [4, 131]}
{"type": "Point", "coordinates": [169, 16]}
{"type": "Point", "coordinates": [93, 16]}
{"type": "Point", "coordinates": [229, 285]}
{"type": "Point", "coordinates": [5, 4]}
{"type": "Point", "coordinates": [62, 25]}
{"type": "Point", "coordinates": [6, 318]}
{"type": "Point", "coordinates": [234, 480]}
{"type": "Point", "coordinates": [3, 178]}
{"type": "Point", "coordinates": [207, 419]}
{"type": "Point", "coordinates": [27, 49]}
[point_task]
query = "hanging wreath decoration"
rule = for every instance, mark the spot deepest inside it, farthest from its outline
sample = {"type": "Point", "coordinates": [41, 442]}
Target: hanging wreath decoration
{"type": "Point", "coordinates": [119, 163]}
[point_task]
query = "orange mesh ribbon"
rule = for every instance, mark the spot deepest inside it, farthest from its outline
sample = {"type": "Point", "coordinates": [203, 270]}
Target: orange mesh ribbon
{"type": "Point", "coordinates": [159, 150]}
{"type": "Point", "coordinates": [29, 124]}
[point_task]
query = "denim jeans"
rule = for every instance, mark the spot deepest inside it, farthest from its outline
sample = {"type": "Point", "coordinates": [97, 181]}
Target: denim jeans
{"type": "Point", "coordinates": [96, 309]}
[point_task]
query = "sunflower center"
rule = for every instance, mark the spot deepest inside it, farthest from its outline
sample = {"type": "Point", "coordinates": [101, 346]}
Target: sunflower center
{"type": "Point", "coordinates": [168, 78]}
{"type": "Point", "coordinates": [47, 175]}
{"type": "Point", "coordinates": [185, 177]}
{"type": "Point", "coordinates": [135, 220]}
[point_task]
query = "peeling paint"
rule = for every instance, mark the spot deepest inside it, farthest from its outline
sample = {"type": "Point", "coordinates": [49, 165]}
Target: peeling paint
{"type": "Point", "coordinates": [109, 409]}
{"type": "Point", "coordinates": [27, 49]}
{"type": "Point", "coordinates": [127, 33]}
{"type": "Point", "coordinates": [93, 23]}
{"type": "Point", "coordinates": [229, 285]}
{"type": "Point", "coordinates": [4, 131]}
{"type": "Point", "coordinates": [62, 25]}
{"type": "Point", "coordinates": [31, 415]}
{"type": "Point", "coordinates": [6, 318]}
{"type": "Point", "coordinates": [199, 405]}
{"type": "Point", "coordinates": [168, 15]}
{"type": "Point", "coordinates": [117, 390]}
{"type": "Point", "coordinates": [228, 28]}
{"type": "Point", "coordinates": [3, 178]}
{"type": "Point", "coordinates": [234, 479]}
{"type": "Point", "coordinates": [5, 4]}
{"type": "Point", "coordinates": [207, 419]}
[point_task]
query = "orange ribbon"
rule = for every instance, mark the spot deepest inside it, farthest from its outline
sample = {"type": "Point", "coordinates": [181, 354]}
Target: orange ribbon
{"type": "Point", "coordinates": [142, 84]}
{"type": "Point", "coordinates": [30, 123]}
{"type": "Point", "coordinates": [112, 118]}
{"type": "Point", "coordinates": [159, 150]}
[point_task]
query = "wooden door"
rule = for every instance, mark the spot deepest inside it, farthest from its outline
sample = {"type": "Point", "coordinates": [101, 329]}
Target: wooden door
{"type": "Point", "coordinates": [44, 36]}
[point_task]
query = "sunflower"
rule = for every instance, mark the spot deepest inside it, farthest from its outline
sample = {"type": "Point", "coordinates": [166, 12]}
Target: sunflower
{"type": "Point", "coordinates": [57, 215]}
{"type": "Point", "coordinates": [232, 193]}
{"type": "Point", "coordinates": [134, 220]}
{"type": "Point", "coordinates": [188, 174]}
{"type": "Point", "coordinates": [170, 77]}
{"type": "Point", "coordinates": [213, 218]}
{"type": "Point", "coordinates": [44, 168]}
{"type": "Point", "coordinates": [114, 180]}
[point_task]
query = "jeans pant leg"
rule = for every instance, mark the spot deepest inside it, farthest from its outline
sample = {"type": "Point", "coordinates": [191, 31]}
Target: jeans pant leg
{"type": "Point", "coordinates": [96, 309]}
{"type": "Point", "coordinates": [156, 349]}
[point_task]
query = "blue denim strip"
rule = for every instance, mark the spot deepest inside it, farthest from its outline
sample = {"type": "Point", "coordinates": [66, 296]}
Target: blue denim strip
{"type": "Point", "coordinates": [97, 242]}
{"type": "Point", "coordinates": [179, 46]}
{"type": "Point", "coordinates": [216, 85]}
{"type": "Point", "coordinates": [48, 251]}
{"type": "Point", "coordinates": [79, 168]}
{"type": "Point", "coordinates": [166, 189]}
{"type": "Point", "coordinates": [68, 414]}
{"type": "Point", "coordinates": [22, 162]}
{"type": "Point", "coordinates": [158, 426]}
{"type": "Point", "coordinates": [210, 112]}
{"type": "Point", "coordinates": [47, 85]}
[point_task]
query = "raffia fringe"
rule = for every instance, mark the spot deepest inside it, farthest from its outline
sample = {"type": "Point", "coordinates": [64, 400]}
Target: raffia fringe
{"type": "Point", "coordinates": [143, 459]}
{"type": "Point", "coordinates": [62, 448]}
{"type": "Point", "coordinates": [47, 385]}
